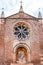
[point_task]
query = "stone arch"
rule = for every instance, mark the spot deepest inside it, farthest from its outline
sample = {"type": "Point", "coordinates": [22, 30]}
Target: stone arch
{"type": "Point", "coordinates": [22, 44]}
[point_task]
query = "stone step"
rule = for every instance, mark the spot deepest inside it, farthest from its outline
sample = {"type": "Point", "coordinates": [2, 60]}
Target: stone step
{"type": "Point", "coordinates": [41, 62]}
{"type": "Point", "coordinates": [41, 58]}
{"type": "Point", "coordinates": [21, 64]}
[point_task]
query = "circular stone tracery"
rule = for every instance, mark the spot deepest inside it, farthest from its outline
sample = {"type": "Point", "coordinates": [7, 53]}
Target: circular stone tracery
{"type": "Point", "coordinates": [21, 30]}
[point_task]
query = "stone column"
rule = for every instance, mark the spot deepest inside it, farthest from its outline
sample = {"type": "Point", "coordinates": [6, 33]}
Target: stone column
{"type": "Point", "coordinates": [29, 58]}
{"type": "Point", "coordinates": [14, 57]}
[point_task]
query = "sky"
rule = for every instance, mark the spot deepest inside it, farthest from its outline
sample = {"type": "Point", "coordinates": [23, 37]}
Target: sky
{"type": "Point", "coordinates": [29, 6]}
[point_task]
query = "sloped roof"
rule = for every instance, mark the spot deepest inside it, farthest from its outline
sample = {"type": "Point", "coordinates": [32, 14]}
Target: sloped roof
{"type": "Point", "coordinates": [21, 15]}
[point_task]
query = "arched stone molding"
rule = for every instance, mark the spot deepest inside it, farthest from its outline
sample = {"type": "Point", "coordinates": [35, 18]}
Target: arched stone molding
{"type": "Point", "coordinates": [23, 45]}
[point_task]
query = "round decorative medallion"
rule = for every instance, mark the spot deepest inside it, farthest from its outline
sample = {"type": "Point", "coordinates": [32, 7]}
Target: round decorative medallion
{"type": "Point", "coordinates": [21, 30]}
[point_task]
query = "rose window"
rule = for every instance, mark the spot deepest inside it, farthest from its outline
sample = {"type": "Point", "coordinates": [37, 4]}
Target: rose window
{"type": "Point", "coordinates": [21, 31]}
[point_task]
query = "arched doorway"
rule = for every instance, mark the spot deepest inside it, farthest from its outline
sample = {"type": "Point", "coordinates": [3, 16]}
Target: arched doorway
{"type": "Point", "coordinates": [21, 54]}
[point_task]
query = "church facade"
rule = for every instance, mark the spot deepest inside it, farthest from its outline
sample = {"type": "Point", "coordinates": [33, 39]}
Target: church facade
{"type": "Point", "coordinates": [21, 39]}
